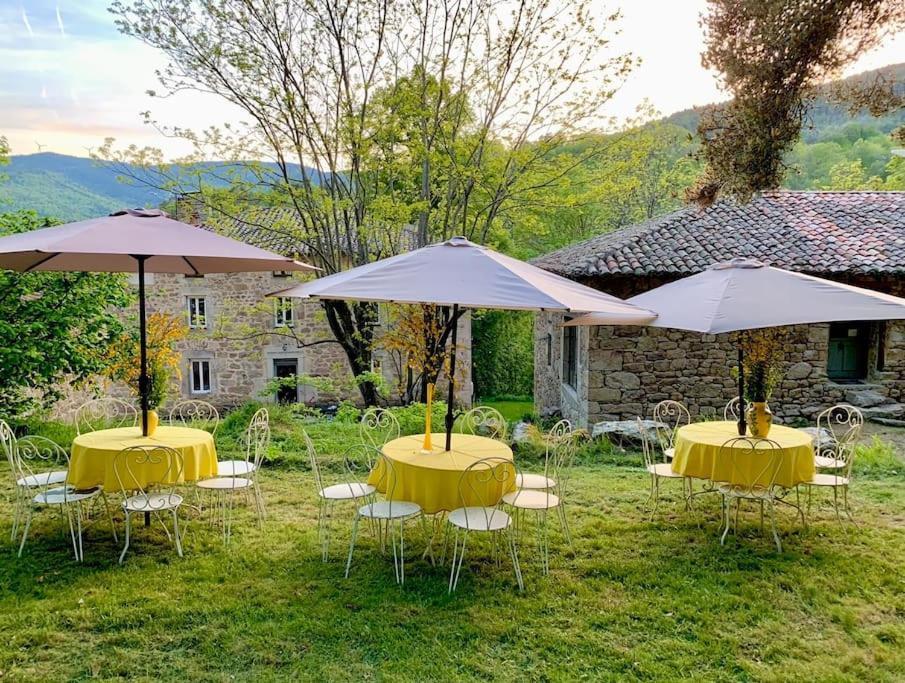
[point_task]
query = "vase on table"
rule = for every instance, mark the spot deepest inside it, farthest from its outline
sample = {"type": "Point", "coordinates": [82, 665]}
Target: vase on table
{"type": "Point", "coordinates": [153, 421]}
{"type": "Point", "coordinates": [759, 419]}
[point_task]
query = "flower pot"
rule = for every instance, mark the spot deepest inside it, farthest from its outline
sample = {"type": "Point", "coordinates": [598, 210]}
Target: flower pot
{"type": "Point", "coordinates": [153, 421]}
{"type": "Point", "coordinates": [759, 419]}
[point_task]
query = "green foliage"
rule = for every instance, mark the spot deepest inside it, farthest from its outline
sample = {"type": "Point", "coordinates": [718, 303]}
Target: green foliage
{"type": "Point", "coordinates": [53, 326]}
{"type": "Point", "coordinates": [502, 353]}
{"type": "Point", "coordinates": [348, 413]}
{"type": "Point", "coordinates": [878, 459]}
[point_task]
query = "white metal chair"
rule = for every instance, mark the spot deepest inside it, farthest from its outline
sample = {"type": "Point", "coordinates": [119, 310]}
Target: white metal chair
{"type": "Point", "coordinates": [836, 455]}
{"type": "Point", "coordinates": [657, 470]}
{"type": "Point", "coordinates": [673, 414]}
{"type": "Point", "coordinates": [100, 413]}
{"type": "Point", "coordinates": [257, 434]}
{"type": "Point", "coordinates": [329, 495]}
{"type": "Point", "coordinates": [377, 427]}
{"type": "Point", "coordinates": [741, 486]}
{"type": "Point", "coordinates": [559, 433]}
{"type": "Point", "coordinates": [485, 421]}
{"type": "Point", "coordinates": [36, 459]}
{"type": "Point", "coordinates": [130, 466]}
{"type": "Point", "coordinates": [245, 479]}
{"type": "Point", "coordinates": [731, 412]}
{"type": "Point", "coordinates": [479, 485]}
{"type": "Point", "coordinates": [393, 513]}
{"type": "Point", "coordinates": [542, 501]}
{"type": "Point", "coordinates": [195, 413]}
{"type": "Point", "coordinates": [843, 423]}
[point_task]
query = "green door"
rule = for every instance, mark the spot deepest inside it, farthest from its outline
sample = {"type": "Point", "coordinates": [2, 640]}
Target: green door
{"type": "Point", "coordinates": [847, 357]}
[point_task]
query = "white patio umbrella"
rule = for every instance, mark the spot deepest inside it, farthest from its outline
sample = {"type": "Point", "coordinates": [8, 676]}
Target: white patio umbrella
{"type": "Point", "coordinates": [136, 241]}
{"type": "Point", "coordinates": [742, 294]}
{"type": "Point", "coordinates": [461, 274]}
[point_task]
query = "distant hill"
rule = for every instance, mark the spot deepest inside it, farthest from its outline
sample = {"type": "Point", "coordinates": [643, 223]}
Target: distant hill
{"type": "Point", "coordinates": [825, 118]}
{"type": "Point", "coordinates": [71, 188]}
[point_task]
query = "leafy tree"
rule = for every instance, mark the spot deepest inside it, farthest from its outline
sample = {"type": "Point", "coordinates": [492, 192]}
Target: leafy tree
{"type": "Point", "coordinates": [54, 327]}
{"type": "Point", "coordinates": [771, 54]}
{"type": "Point", "coordinates": [446, 116]}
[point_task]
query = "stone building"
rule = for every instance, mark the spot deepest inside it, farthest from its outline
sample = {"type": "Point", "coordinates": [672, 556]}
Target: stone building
{"type": "Point", "coordinates": [589, 374]}
{"type": "Point", "coordinates": [239, 339]}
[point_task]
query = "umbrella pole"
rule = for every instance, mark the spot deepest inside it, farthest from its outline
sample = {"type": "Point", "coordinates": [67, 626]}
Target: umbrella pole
{"type": "Point", "coordinates": [451, 396]}
{"type": "Point", "coordinates": [742, 427]}
{"type": "Point", "coordinates": [143, 343]}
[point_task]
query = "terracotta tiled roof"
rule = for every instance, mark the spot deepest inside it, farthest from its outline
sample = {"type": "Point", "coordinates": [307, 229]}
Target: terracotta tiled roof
{"type": "Point", "coordinates": [815, 232]}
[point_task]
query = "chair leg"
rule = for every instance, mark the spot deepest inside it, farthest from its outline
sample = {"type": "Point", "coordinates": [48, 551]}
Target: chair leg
{"type": "Point", "coordinates": [78, 521]}
{"type": "Point", "coordinates": [564, 524]}
{"type": "Point", "coordinates": [545, 545]}
{"type": "Point", "coordinates": [176, 537]}
{"type": "Point", "coordinates": [352, 543]}
{"type": "Point", "coordinates": [17, 513]}
{"type": "Point", "coordinates": [28, 516]}
{"type": "Point", "coordinates": [848, 510]}
{"type": "Point", "coordinates": [109, 516]}
{"type": "Point", "coordinates": [836, 503]}
{"type": "Point", "coordinates": [773, 526]}
{"type": "Point", "coordinates": [727, 512]}
{"type": "Point", "coordinates": [515, 563]}
{"type": "Point", "coordinates": [401, 552]}
{"type": "Point", "coordinates": [128, 532]}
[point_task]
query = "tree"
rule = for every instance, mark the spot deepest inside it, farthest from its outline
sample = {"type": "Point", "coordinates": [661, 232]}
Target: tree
{"type": "Point", "coordinates": [378, 114]}
{"type": "Point", "coordinates": [770, 55]}
{"type": "Point", "coordinates": [54, 327]}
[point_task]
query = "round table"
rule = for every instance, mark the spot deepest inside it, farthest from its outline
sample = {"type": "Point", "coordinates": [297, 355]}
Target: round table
{"type": "Point", "coordinates": [698, 454]}
{"type": "Point", "coordinates": [433, 479]}
{"type": "Point", "coordinates": [91, 463]}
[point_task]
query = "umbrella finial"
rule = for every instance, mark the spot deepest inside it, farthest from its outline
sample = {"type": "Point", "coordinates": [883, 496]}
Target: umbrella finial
{"type": "Point", "coordinates": [738, 262]}
{"type": "Point", "coordinates": [141, 213]}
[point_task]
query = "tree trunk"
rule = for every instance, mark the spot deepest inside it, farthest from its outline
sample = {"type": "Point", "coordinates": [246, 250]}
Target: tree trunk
{"type": "Point", "coordinates": [353, 327]}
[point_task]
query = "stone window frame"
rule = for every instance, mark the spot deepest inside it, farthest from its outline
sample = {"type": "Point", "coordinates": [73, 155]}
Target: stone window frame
{"type": "Point", "coordinates": [210, 376]}
{"type": "Point", "coordinates": [570, 357]}
{"type": "Point", "coordinates": [281, 306]}
{"type": "Point", "coordinates": [192, 322]}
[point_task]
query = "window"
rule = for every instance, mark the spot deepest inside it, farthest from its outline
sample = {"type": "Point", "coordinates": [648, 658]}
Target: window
{"type": "Point", "coordinates": [281, 273]}
{"type": "Point", "coordinates": [283, 313]}
{"type": "Point", "coordinates": [549, 349]}
{"type": "Point", "coordinates": [570, 356]}
{"type": "Point", "coordinates": [849, 347]}
{"type": "Point", "coordinates": [197, 309]}
{"type": "Point", "coordinates": [200, 377]}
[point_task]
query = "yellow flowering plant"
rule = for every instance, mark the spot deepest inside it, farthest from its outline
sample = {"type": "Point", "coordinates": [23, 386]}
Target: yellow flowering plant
{"type": "Point", "coordinates": [164, 332]}
{"type": "Point", "coordinates": [762, 362]}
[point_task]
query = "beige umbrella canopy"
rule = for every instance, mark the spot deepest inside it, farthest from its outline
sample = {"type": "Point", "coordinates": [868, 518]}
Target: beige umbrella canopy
{"type": "Point", "coordinates": [461, 274]}
{"type": "Point", "coordinates": [136, 241]}
{"type": "Point", "coordinates": [743, 294]}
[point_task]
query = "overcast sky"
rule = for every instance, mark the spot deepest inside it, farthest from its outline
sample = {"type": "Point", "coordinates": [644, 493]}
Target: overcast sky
{"type": "Point", "coordinates": [68, 79]}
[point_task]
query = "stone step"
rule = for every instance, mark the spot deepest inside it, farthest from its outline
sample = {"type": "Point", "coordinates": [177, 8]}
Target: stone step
{"type": "Point", "coordinates": [888, 421]}
{"type": "Point", "coordinates": [893, 411]}
{"type": "Point", "coordinates": [866, 398]}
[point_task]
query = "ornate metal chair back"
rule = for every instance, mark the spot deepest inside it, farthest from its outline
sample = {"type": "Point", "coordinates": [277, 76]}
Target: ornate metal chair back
{"type": "Point", "coordinates": [195, 413]}
{"type": "Point", "coordinates": [844, 423]}
{"type": "Point", "coordinates": [731, 411]}
{"type": "Point", "coordinates": [485, 421]}
{"type": "Point", "coordinates": [36, 457]}
{"type": "Point", "coordinates": [647, 449]}
{"type": "Point", "coordinates": [377, 427]}
{"type": "Point", "coordinates": [674, 415]}
{"type": "Point", "coordinates": [8, 444]}
{"type": "Point", "coordinates": [104, 412]}
{"type": "Point", "coordinates": [749, 456]}
{"type": "Point", "coordinates": [482, 485]}
{"type": "Point", "coordinates": [561, 451]}
{"type": "Point", "coordinates": [138, 468]}
{"type": "Point", "coordinates": [358, 462]}
{"type": "Point", "coordinates": [312, 460]}
{"type": "Point", "coordinates": [257, 438]}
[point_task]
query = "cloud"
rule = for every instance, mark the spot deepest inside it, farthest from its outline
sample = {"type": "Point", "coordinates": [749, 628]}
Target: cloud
{"type": "Point", "coordinates": [60, 22]}
{"type": "Point", "coordinates": [27, 23]}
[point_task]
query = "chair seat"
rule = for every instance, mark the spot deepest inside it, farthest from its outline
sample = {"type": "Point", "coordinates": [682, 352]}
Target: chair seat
{"type": "Point", "coordinates": [42, 479]}
{"type": "Point", "coordinates": [479, 519]}
{"type": "Point", "coordinates": [234, 468]}
{"type": "Point", "coordinates": [347, 491]}
{"type": "Point", "coordinates": [663, 469]}
{"type": "Point", "coordinates": [151, 502]}
{"type": "Point", "coordinates": [824, 479]}
{"type": "Point", "coordinates": [828, 463]}
{"type": "Point", "coordinates": [669, 452]}
{"type": "Point", "coordinates": [531, 499]}
{"type": "Point", "coordinates": [533, 481]}
{"type": "Point", "coordinates": [384, 509]}
{"type": "Point", "coordinates": [225, 483]}
{"type": "Point", "coordinates": [63, 495]}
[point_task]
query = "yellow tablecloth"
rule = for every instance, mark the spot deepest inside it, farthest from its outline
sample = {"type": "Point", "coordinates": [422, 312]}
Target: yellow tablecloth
{"type": "Point", "coordinates": [93, 453]}
{"type": "Point", "coordinates": [698, 454]}
{"type": "Point", "coordinates": [432, 479]}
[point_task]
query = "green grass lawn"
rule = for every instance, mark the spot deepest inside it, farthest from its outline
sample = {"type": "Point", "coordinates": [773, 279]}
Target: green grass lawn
{"type": "Point", "coordinates": [511, 410]}
{"type": "Point", "coordinates": [636, 599]}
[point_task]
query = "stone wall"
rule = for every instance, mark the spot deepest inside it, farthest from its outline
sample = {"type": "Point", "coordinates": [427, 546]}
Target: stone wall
{"type": "Point", "coordinates": [627, 370]}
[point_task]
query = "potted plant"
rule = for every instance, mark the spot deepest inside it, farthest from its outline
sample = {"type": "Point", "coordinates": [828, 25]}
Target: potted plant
{"type": "Point", "coordinates": [762, 365]}
{"type": "Point", "coordinates": [164, 331]}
